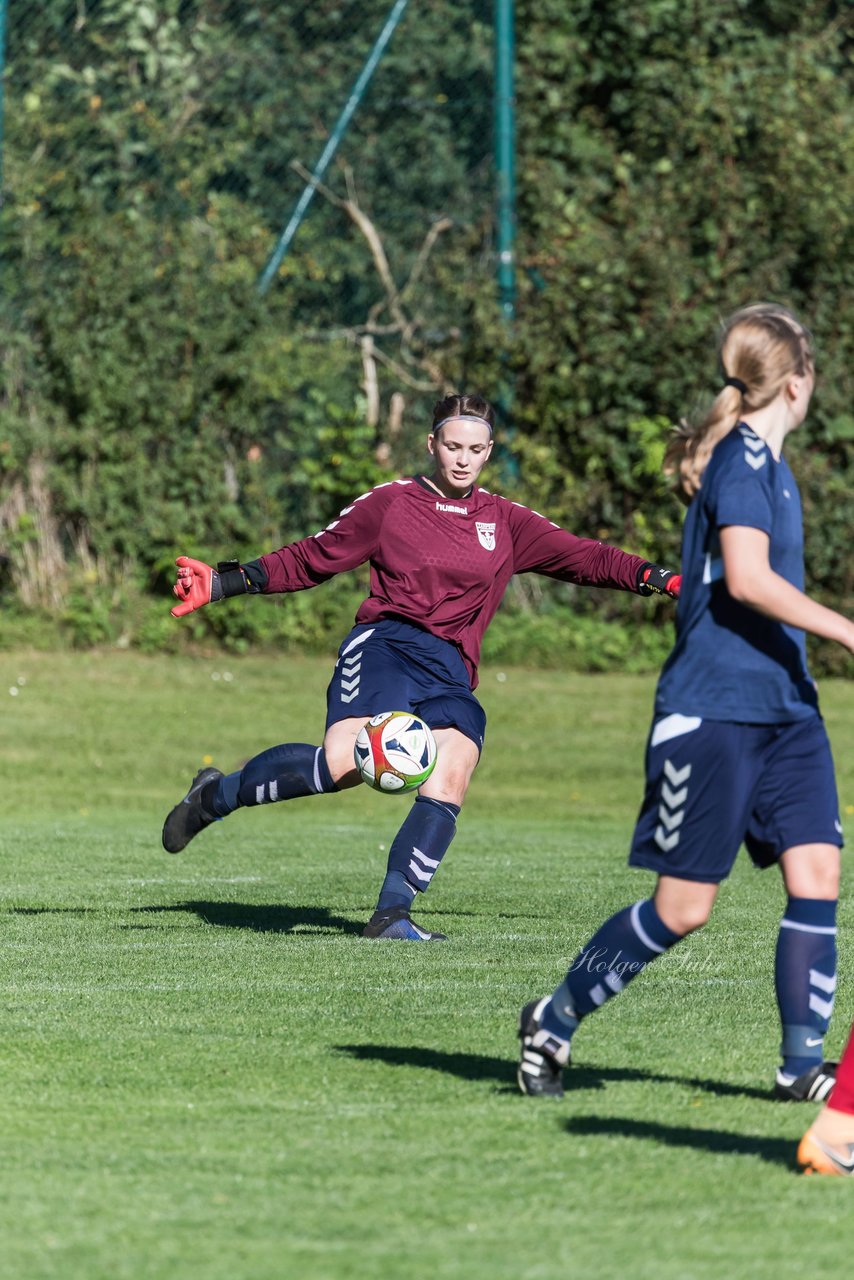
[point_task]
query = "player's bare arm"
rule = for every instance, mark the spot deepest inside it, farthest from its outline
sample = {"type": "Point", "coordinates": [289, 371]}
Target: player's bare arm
{"type": "Point", "coordinates": [751, 580]}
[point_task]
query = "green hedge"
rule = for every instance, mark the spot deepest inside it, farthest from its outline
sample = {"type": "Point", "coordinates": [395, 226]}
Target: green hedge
{"type": "Point", "coordinates": [673, 163]}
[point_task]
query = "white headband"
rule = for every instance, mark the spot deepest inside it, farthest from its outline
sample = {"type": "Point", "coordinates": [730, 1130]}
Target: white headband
{"type": "Point", "coordinates": [462, 417]}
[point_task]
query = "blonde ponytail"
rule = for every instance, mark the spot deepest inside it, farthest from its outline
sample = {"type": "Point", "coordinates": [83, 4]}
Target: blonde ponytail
{"type": "Point", "coordinates": [761, 347]}
{"type": "Point", "coordinates": [688, 453]}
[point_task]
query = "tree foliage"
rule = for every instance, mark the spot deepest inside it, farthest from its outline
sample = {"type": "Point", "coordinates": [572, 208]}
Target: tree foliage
{"type": "Point", "coordinates": [674, 161]}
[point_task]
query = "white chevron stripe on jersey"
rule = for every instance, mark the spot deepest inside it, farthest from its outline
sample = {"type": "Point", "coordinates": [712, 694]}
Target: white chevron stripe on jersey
{"type": "Point", "coordinates": [351, 673]}
{"type": "Point", "coordinates": [671, 811]}
{"type": "Point", "coordinates": [674, 775]}
{"type": "Point", "coordinates": [670, 820]}
{"type": "Point", "coordinates": [673, 799]}
{"type": "Point", "coordinates": [757, 463]}
{"type": "Point", "coordinates": [665, 842]}
{"type": "Point", "coordinates": [754, 443]}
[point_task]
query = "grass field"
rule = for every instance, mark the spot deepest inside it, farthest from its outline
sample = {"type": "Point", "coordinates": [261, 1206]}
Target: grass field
{"type": "Point", "coordinates": [205, 1071]}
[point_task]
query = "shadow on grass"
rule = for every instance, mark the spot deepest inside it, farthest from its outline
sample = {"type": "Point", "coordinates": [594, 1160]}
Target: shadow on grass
{"type": "Point", "coordinates": [718, 1141]}
{"type": "Point", "coordinates": [53, 911]}
{"type": "Point", "coordinates": [262, 919]}
{"type": "Point", "coordinates": [234, 915]}
{"type": "Point", "coordinates": [473, 1066]}
{"type": "Point", "coordinates": [468, 1066]}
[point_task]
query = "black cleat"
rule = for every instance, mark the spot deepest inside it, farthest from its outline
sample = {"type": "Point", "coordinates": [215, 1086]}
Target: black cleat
{"type": "Point", "coordinates": [542, 1057]}
{"type": "Point", "coordinates": [188, 818]}
{"type": "Point", "coordinates": [396, 922]}
{"type": "Point", "coordinates": [813, 1086]}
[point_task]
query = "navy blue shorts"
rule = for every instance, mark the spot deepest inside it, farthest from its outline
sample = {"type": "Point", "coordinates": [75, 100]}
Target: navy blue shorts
{"type": "Point", "coordinates": [711, 785]}
{"type": "Point", "coordinates": [394, 666]}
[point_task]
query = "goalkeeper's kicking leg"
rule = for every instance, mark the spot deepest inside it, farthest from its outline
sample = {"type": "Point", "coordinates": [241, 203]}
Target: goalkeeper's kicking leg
{"type": "Point", "coordinates": [298, 769]}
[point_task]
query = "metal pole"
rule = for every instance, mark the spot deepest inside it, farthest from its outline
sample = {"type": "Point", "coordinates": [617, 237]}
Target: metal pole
{"type": "Point", "coordinates": [505, 160]}
{"type": "Point", "coordinates": [284, 241]}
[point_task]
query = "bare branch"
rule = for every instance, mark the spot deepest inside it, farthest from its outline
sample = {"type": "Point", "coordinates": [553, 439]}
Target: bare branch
{"type": "Point", "coordinates": [440, 225]}
{"type": "Point", "coordinates": [370, 384]}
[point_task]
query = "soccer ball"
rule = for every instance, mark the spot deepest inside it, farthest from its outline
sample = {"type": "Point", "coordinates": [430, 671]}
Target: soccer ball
{"type": "Point", "coordinates": [395, 751]}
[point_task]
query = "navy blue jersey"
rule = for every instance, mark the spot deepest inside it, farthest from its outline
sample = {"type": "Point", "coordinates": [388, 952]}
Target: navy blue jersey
{"type": "Point", "coordinates": [730, 662]}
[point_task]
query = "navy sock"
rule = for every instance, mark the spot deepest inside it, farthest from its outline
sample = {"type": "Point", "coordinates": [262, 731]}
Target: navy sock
{"type": "Point", "coordinates": [617, 952]}
{"type": "Point", "coordinates": [416, 851]}
{"type": "Point", "coordinates": [805, 978]}
{"type": "Point", "coordinates": [282, 773]}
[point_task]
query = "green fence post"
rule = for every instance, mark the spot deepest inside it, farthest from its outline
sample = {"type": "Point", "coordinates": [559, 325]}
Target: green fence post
{"type": "Point", "coordinates": [505, 160]}
{"type": "Point", "coordinates": [331, 147]}
{"type": "Point", "coordinates": [3, 15]}
{"type": "Point", "coordinates": [505, 216]}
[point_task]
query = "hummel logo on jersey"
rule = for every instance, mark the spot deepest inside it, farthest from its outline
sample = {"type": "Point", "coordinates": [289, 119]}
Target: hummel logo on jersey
{"type": "Point", "coordinates": [449, 506]}
{"type": "Point", "coordinates": [671, 811]}
{"type": "Point", "coordinates": [486, 535]}
{"type": "Point", "coordinates": [754, 448]}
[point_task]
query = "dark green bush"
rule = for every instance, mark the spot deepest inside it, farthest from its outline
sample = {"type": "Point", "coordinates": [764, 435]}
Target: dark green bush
{"type": "Point", "coordinates": [673, 162]}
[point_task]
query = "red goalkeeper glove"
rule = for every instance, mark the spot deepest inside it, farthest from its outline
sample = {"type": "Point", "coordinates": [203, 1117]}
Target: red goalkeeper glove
{"type": "Point", "coordinates": [655, 581]}
{"type": "Point", "coordinates": [199, 584]}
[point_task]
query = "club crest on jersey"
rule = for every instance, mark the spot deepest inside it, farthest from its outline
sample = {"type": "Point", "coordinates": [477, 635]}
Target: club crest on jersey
{"type": "Point", "coordinates": [485, 535]}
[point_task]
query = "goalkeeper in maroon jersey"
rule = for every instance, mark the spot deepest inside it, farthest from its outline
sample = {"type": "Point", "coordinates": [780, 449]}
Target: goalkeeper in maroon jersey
{"type": "Point", "coordinates": [442, 551]}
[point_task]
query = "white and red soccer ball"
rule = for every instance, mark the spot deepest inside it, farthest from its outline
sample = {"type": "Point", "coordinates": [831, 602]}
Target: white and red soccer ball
{"type": "Point", "coordinates": [395, 752]}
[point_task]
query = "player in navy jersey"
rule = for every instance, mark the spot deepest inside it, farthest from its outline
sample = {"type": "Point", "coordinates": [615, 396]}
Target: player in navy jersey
{"type": "Point", "coordinates": [441, 551]}
{"type": "Point", "coordinates": [738, 750]}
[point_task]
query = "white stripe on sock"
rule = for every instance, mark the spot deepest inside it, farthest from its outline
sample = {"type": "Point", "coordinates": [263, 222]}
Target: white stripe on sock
{"type": "Point", "coordinates": [806, 928]}
{"type": "Point", "coordinates": [824, 982]}
{"type": "Point", "coordinates": [824, 1008]}
{"type": "Point", "coordinates": [642, 933]}
{"type": "Point", "coordinates": [316, 777]}
{"type": "Point", "coordinates": [420, 874]}
{"type": "Point", "coordinates": [274, 790]}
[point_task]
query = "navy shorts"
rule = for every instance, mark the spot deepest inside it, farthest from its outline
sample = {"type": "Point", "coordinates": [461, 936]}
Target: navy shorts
{"type": "Point", "coordinates": [711, 785]}
{"type": "Point", "coordinates": [394, 666]}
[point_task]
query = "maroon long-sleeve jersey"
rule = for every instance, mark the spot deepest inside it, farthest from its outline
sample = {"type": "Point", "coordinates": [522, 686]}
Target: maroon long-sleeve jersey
{"type": "Point", "coordinates": [444, 563]}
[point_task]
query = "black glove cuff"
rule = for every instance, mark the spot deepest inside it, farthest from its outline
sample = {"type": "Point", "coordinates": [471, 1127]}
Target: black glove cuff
{"type": "Point", "coordinates": [256, 576]}
{"type": "Point", "coordinates": [656, 580]}
{"type": "Point", "coordinates": [232, 579]}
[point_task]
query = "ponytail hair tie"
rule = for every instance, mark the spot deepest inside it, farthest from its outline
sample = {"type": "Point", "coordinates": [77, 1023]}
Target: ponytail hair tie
{"type": "Point", "coordinates": [737, 383]}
